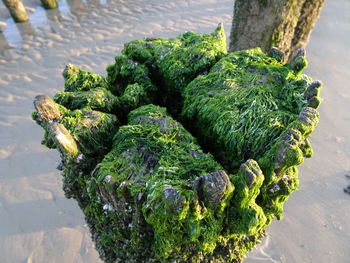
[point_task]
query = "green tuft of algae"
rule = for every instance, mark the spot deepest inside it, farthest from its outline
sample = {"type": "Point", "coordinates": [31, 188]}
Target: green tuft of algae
{"type": "Point", "coordinates": [177, 61]}
{"type": "Point", "coordinates": [244, 104]}
{"type": "Point", "coordinates": [182, 153]}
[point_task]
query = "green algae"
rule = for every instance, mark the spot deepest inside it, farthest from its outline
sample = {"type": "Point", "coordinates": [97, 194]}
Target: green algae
{"type": "Point", "coordinates": [244, 104]}
{"type": "Point", "coordinates": [126, 71]}
{"type": "Point", "coordinates": [77, 79]}
{"type": "Point", "coordinates": [149, 190]}
{"type": "Point", "coordinates": [177, 61]}
{"type": "Point", "coordinates": [154, 156]}
{"type": "Point", "coordinates": [89, 132]}
{"type": "Point", "coordinates": [185, 194]}
{"type": "Point", "coordinates": [96, 99]}
{"type": "Point", "coordinates": [126, 87]}
{"type": "Point", "coordinates": [91, 129]}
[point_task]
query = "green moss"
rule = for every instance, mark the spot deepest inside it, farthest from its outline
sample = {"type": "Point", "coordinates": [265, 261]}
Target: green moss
{"type": "Point", "coordinates": [248, 105]}
{"type": "Point", "coordinates": [249, 216]}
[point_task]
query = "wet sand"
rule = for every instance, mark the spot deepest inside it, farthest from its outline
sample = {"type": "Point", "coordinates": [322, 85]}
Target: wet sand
{"type": "Point", "coordinates": [39, 225]}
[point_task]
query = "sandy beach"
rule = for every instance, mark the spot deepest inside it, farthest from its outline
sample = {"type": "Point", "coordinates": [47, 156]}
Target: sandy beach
{"type": "Point", "coordinates": [38, 224]}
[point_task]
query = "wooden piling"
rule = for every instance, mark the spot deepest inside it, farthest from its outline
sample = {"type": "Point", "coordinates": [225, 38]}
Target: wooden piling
{"type": "Point", "coordinates": [49, 4]}
{"type": "Point", "coordinates": [17, 10]}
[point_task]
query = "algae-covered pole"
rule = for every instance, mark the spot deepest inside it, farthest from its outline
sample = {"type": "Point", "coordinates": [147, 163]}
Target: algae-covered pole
{"type": "Point", "coordinates": [148, 191]}
{"type": "Point", "coordinates": [49, 4]}
{"type": "Point", "coordinates": [310, 12]}
{"type": "Point", "coordinates": [160, 191]}
{"type": "Point", "coordinates": [264, 24]}
{"type": "Point", "coordinates": [285, 24]}
{"type": "Point", "coordinates": [16, 9]}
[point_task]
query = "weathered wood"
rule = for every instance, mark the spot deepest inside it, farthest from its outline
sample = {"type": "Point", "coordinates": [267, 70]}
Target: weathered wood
{"type": "Point", "coordinates": [285, 24]}
{"type": "Point", "coordinates": [48, 114]}
{"type": "Point", "coordinates": [49, 4]}
{"type": "Point", "coordinates": [47, 109]}
{"type": "Point", "coordinates": [310, 12]}
{"type": "Point", "coordinates": [17, 10]}
{"type": "Point", "coordinates": [63, 139]}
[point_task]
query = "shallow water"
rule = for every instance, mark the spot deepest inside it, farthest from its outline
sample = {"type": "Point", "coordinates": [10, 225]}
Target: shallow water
{"type": "Point", "coordinates": [39, 225]}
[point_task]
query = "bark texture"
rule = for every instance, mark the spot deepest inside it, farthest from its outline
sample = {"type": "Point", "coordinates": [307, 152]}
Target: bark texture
{"type": "Point", "coordinates": [16, 9]}
{"type": "Point", "coordinates": [310, 12]}
{"type": "Point", "coordinates": [285, 24]}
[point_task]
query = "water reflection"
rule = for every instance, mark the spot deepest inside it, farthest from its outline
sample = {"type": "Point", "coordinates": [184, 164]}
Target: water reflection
{"type": "Point", "coordinates": [55, 19]}
{"type": "Point", "coordinates": [63, 8]}
{"type": "Point", "coordinates": [26, 29]}
{"type": "Point", "coordinates": [77, 7]}
{"type": "Point", "coordinates": [103, 2]}
{"type": "Point", "coordinates": [42, 18]}
{"type": "Point", "coordinates": [3, 43]}
{"type": "Point", "coordinates": [12, 33]}
{"type": "Point", "coordinates": [38, 18]}
{"type": "Point", "coordinates": [53, 15]}
{"type": "Point", "coordinates": [94, 4]}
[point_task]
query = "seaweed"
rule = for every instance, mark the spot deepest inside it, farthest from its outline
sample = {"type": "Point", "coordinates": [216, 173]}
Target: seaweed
{"type": "Point", "coordinates": [177, 61]}
{"type": "Point", "coordinates": [245, 103]}
{"type": "Point", "coordinates": [182, 153]}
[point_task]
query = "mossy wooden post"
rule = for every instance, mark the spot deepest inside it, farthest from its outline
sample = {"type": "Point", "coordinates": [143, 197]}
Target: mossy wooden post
{"type": "Point", "coordinates": [49, 4]}
{"type": "Point", "coordinates": [285, 24]}
{"type": "Point", "coordinates": [148, 190]}
{"type": "Point", "coordinates": [16, 9]}
{"type": "Point", "coordinates": [310, 12]}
